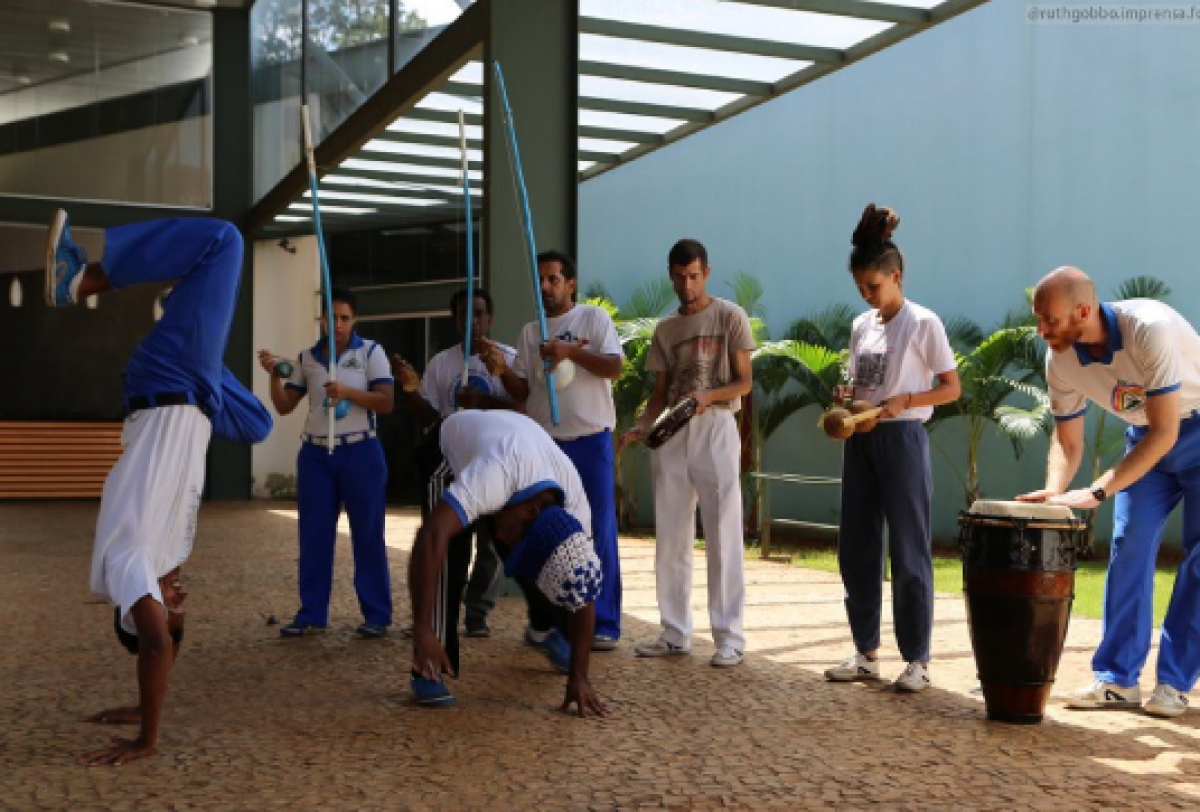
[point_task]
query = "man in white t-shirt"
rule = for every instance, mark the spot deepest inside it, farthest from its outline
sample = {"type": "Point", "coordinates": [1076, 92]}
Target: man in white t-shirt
{"type": "Point", "coordinates": [505, 467]}
{"type": "Point", "coordinates": [585, 347]}
{"type": "Point", "coordinates": [440, 394]}
{"type": "Point", "coordinates": [1140, 361]}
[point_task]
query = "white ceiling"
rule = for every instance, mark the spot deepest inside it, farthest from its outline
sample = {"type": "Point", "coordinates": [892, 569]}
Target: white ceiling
{"type": "Point", "coordinates": [59, 54]}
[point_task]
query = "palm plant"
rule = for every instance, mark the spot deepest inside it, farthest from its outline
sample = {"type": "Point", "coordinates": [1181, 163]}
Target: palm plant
{"type": "Point", "coordinates": [1005, 363]}
{"type": "Point", "coordinates": [1142, 287]}
{"type": "Point", "coordinates": [828, 327]}
{"type": "Point", "coordinates": [795, 373]}
{"type": "Point", "coordinates": [815, 369]}
{"type": "Point", "coordinates": [748, 293]}
{"type": "Point", "coordinates": [635, 323]}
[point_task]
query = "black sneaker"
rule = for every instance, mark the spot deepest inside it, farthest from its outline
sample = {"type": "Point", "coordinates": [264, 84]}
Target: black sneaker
{"type": "Point", "coordinates": [371, 631]}
{"type": "Point", "coordinates": [298, 629]}
{"type": "Point", "coordinates": [478, 627]}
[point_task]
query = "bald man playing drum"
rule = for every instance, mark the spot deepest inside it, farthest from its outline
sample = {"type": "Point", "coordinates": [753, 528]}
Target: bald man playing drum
{"type": "Point", "coordinates": [1139, 360]}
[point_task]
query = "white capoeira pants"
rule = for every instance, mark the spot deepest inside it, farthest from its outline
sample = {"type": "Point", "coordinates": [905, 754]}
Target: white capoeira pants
{"type": "Point", "coordinates": [700, 464]}
{"type": "Point", "coordinates": [148, 508]}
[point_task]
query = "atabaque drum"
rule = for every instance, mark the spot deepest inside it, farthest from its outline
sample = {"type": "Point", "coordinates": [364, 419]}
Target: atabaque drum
{"type": "Point", "coordinates": [1019, 581]}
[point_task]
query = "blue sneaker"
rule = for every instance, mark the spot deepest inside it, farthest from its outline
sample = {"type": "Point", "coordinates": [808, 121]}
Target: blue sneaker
{"type": "Point", "coordinates": [371, 631]}
{"type": "Point", "coordinates": [64, 261]}
{"type": "Point", "coordinates": [535, 638]}
{"type": "Point", "coordinates": [431, 693]}
{"type": "Point", "coordinates": [298, 629]}
{"type": "Point", "coordinates": [559, 651]}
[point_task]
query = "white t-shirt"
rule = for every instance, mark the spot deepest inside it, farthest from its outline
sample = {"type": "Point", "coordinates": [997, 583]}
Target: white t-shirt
{"type": "Point", "coordinates": [900, 357]}
{"type": "Point", "coordinates": [1152, 350]}
{"type": "Point", "coordinates": [148, 511]}
{"type": "Point", "coordinates": [586, 405]}
{"type": "Point", "coordinates": [443, 377]}
{"type": "Point", "coordinates": [501, 457]}
{"type": "Point", "coordinates": [363, 365]}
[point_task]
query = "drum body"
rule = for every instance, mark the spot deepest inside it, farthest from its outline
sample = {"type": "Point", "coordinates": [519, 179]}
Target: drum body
{"type": "Point", "coordinates": [1019, 582]}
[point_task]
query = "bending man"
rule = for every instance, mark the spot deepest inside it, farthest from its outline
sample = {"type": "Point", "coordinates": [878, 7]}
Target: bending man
{"type": "Point", "coordinates": [507, 468]}
{"type": "Point", "coordinates": [1139, 360]}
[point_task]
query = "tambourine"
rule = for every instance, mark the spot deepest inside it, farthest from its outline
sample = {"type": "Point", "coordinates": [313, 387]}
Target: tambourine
{"type": "Point", "coordinates": [670, 422]}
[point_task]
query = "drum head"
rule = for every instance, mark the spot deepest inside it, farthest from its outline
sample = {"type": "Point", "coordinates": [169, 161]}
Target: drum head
{"type": "Point", "coordinates": [1038, 511]}
{"type": "Point", "coordinates": [1018, 536]}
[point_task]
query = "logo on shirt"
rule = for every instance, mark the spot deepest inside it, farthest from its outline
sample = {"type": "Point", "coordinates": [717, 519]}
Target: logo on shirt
{"type": "Point", "coordinates": [870, 370]}
{"type": "Point", "coordinates": [570, 338]}
{"type": "Point", "coordinates": [351, 363]}
{"type": "Point", "coordinates": [1128, 397]}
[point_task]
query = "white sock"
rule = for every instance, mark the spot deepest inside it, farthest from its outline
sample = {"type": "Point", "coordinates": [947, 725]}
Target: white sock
{"type": "Point", "coordinates": [73, 287]}
{"type": "Point", "coordinates": [536, 636]}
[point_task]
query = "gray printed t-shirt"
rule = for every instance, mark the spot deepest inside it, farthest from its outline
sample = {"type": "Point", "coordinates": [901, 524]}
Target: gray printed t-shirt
{"type": "Point", "coordinates": [698, 349]}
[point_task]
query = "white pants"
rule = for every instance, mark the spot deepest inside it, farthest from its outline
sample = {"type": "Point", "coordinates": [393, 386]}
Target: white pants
{"type": "Point", "coordinates": [148, 508]}
{"type": "Point", "coordinates": [700, 464]}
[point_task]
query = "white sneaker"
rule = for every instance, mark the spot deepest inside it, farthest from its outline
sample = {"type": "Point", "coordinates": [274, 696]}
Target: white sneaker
{"type": "Point", "coordinates": [855, 667]}
{"type": "Point", "coordinates": [1103, 695]}
{"type": "Point", "coordinates": [726, 657]}
{"type": "Point", "coordinates": [604, 642]}
{"type": "Point", "coordinates": [915, 678]}
{"type": "Point", "coordinates": [1167, 701]}
{"type": "Point", "coordinates": [660, 648]}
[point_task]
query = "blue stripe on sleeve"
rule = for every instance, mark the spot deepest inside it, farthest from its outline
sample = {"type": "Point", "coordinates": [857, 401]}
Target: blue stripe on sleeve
{"type": "Point", "coordinates": [449, 499]}
{"type": "Point", "coordinates": [1064, 418]}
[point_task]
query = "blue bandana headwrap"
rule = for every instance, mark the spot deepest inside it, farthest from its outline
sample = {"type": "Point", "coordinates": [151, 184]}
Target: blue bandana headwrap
{"type": "Point", "coordinates": [558, 556]}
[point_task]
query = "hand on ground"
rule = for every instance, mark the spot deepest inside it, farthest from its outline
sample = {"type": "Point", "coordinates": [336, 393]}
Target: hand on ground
{"type": "Point", "coordinates": [580, 693]}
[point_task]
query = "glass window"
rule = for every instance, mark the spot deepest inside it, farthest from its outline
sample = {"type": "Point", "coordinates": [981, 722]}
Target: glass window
{"type": "Point", "coordinates": [106, 101]}
{"type": "Point", "coordinates": [332, 55]}
{"type": "Point", "coordinates": [419, 21]}
{"type": "Point", "coordinates": [276, 33]}
{"type": "Point", "coordinates": [404, 254]}
{"type": "Point", "coordinates": [346, 58]}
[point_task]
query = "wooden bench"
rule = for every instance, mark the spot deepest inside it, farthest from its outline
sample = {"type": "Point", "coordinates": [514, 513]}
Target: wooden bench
{"type": "Point", "coordinates": [764, 519]}
{"type": "Point", "coordinates": [56, 460]}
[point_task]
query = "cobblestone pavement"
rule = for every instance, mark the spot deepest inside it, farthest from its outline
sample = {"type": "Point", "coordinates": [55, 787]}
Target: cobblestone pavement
{"type": "Point", "coordinates": [254, 722]}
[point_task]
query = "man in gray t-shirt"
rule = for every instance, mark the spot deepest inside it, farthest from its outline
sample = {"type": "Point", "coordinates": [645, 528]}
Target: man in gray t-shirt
{"type": "Point", "coordinates": [702, 351]}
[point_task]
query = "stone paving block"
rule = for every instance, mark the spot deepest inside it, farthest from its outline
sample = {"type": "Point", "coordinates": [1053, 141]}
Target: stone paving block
{"type": "Point", "coordinates": [255, 722]}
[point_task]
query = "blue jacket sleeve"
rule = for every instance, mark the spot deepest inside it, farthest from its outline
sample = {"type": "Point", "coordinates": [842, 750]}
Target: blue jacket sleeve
{"type": "Point", "coordinates": [241, 417]}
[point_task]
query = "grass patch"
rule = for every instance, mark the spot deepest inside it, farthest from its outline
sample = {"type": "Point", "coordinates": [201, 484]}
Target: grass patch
{"type": "Point", "coordinates": [947, 577]}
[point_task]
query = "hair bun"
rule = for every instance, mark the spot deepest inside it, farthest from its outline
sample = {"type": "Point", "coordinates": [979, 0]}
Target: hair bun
{"type": "Point", "coordinates": [875, 228]}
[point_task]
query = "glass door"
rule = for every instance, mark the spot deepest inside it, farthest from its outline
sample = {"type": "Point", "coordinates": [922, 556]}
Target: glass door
{"type": "Point", "coordinates": [416, 338]}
